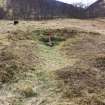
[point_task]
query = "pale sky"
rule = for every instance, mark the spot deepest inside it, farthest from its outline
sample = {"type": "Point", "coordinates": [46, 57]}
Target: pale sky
{"type": "Point", "coordinates": [87, 2]}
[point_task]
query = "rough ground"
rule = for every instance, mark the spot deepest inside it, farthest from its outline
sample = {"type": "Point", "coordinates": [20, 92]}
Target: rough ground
{"type": "Point", "coordinates": [43, 74]}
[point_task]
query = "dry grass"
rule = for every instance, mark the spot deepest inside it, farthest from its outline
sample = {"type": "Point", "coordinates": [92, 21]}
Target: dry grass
{"type": "Point", "coordinates": [84, 81]}
{"type": "Point", "coordinates": [18, 57]}
{"type": "Point", "coordinates": [20, 35]}
{"type": "Point", "coordinates": [26, 89]}
{"type": "Point", "coordinates": [83, 44]}
{"type": "Point", "coordinates": [80, 74]}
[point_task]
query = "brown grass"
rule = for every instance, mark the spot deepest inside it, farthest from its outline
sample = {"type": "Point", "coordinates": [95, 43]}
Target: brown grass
{"type": "Point", "coordinates": [84, 82]}
{"type": "Point", "coordinates": [19, 35]}
{"type": "Point", "coordinates": [16, 58]}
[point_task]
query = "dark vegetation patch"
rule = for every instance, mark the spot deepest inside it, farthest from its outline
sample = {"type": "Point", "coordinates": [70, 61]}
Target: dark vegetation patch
{"type": "Point", "coordinates": [25, 89]}
{"type": "Point", "coordinates": [17, 58]}
{"type": "Point", "coordinates": [55, 40]}
{"type": "Point", "coordinates": [99, 62]}
{"type": "Point", "coordinates": [58, 35]}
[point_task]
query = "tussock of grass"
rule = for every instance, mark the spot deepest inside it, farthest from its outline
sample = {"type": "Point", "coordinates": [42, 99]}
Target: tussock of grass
{"type": "Point", "coordinates": [100, 62]}
{"type": "Point", "coordinates": [82, 83]}
{"type": "Point", "coordinates": [20, 35]}
{"type": "Point", "coordinates": [26, 89]}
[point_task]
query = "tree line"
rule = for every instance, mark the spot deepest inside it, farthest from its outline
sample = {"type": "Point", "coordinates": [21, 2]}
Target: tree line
{"type": "Point", "coordinates": [42, 9]}
{"type": "Point", "coordinates": [38, 9]}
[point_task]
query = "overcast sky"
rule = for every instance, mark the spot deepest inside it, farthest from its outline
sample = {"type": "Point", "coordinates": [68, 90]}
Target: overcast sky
{"type": "Point", "coordinates": [83, 1]}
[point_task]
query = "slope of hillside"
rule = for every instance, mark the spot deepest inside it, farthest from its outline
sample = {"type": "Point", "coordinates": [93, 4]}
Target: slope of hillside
{"type": "Point", "coordinates": [49, 9]}
{"type": "Point", "coordinates": [39, 9]}
{"type": "Point", "coordinates": [70, 72]}
{"type": "Point", "coordinates": [97, 9]}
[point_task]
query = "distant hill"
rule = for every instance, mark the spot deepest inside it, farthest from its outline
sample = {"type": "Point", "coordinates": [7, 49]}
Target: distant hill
{"type": "Point", "coordinates": [97, 9]}
{"type": "Point", "coordinates": [40, 9]}
{"type": "Point", "coordinates": [48, 9]}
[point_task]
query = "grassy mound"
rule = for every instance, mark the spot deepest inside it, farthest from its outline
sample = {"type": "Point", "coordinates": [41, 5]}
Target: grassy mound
{"type": "Point", "coordinates": [20, 35]}
{"type": "Point", "coordinates": [83, 46]}
{"type": "Point", "coordinates": [82, 79]}
{"type": "Point", "coordinates": [84, 82]}
{"type": "Point", "coordinates": [25, 89]}
{"type": "Point", "coordinates": [18, 57]}
{"type": "Point", "coordinates": [99, 62]}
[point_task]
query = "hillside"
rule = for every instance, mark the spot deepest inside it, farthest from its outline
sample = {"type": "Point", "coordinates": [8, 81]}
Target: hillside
{"type": "Point", "coordinates": [72, 72]}
{"type": "Point", "coordinates": [97, 9]}
{"type": "Point", "coordinates": [48, 9]}
{"type": "Point", "coordinates": [39, 9]}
